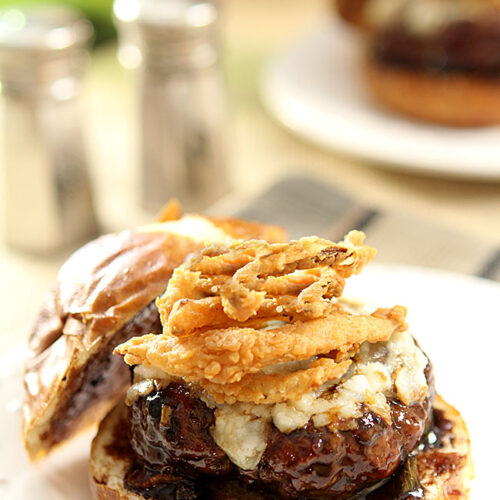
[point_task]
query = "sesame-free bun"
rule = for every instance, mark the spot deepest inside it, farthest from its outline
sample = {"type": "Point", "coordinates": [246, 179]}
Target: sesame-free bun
{"type": "Point", "coordinates": [457, 99]}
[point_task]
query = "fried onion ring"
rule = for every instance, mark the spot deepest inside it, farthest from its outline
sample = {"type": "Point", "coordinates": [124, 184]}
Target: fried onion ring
{"type": "Point", "coordinates": [260, 388]}
{"type": "Point", "coordinates": [294, 281]}
{"type": "Point", "coordinates": [217, 309]}
{"type": "Point", "coordinates": [189, 315]}
{"type": "Point", "coordinates": [225, 355]}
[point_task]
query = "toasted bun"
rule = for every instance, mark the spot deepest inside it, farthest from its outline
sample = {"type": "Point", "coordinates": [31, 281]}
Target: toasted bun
{"type": "Point", "coordinates": [446, 474]}
{"type": "Point", "coordinates": [450, 99]}
{"type": "Point", "coordinates": [111, 457]}
{"type": "Point", "coordinates": [103, 293]}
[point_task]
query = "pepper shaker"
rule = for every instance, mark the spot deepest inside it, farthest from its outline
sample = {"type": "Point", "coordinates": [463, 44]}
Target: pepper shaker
{"type": "Point", "coordinates": [46, 201]}
{"type": "Point", "coordinates": [182, 99]}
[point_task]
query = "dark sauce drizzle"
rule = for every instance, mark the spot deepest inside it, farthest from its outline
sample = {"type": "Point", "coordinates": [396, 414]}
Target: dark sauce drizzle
{"type": "Point", "coordinates": [403, 484]}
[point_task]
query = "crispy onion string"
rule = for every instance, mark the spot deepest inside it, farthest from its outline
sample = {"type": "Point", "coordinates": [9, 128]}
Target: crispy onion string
{"type": "Point", "coordinates": [218, 305]}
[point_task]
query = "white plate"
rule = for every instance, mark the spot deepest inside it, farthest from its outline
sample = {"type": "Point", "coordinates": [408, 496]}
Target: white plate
{"type": "Point", "coordinates": [62, 476]}
{"type": "Point", "coordinates": [315, 89]}
{"type": "Point", "coordinates": [455, 319]}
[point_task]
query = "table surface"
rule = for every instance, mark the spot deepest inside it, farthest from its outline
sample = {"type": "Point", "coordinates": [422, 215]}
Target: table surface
{"type": "Point", "coordinates": [261, 150]}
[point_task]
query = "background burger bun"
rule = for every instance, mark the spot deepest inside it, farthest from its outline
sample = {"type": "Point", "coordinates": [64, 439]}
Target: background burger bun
{"type": "Point", "coordinates": [456, 99]}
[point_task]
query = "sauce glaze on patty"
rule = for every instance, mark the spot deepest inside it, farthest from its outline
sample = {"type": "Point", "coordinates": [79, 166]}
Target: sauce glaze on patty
{"type": "Point", "coordinates": [170, 434]}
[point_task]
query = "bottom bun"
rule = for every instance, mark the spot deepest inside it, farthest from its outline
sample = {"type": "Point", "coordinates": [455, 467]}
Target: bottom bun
{"type": "Point", "coordinates": [456, 99]}
{"type": "Point", "coordinates": [444, 473]}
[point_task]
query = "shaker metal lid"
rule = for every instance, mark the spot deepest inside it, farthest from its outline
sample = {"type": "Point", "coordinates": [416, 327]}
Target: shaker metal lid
{"type": "Point", "coordinates": [172, 16]}
{"type": "Point", "coordinates": [43, 28]}
{"type": "Point", "coordinates": [169, 35]}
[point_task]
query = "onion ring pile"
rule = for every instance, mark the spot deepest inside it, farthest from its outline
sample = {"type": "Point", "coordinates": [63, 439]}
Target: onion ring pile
{"type": "Point", "coordinates": [255, 280]}
{"type": "Point", "coordinates": [217, 309]}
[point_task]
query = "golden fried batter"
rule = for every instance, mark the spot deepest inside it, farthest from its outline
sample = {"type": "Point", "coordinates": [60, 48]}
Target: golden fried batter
{"type": "Point", "coordinates": [217, 309]}
{"type": "Point", "coordinates": [255, 279]}
{"type": "Point", "coordinates": [260, 388]}
{"type": "Point", "coordinates": [225, 355]}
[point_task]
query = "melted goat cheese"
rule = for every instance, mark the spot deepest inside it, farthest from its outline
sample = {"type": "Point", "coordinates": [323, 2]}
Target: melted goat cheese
{"type": "Point", "coordinates": [392, 368]}
{"type": "Point", "coordinates": [145, 381]}
{"type": "Point", "coordinates": [241, 431]}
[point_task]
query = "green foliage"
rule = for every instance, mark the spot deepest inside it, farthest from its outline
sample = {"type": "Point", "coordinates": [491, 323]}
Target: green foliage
{"type": "Point", "coordinates": [98, 11]}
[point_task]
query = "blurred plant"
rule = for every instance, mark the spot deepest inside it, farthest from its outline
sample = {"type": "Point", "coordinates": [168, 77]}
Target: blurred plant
{"type": "Point", "coordinates": [98, 11]}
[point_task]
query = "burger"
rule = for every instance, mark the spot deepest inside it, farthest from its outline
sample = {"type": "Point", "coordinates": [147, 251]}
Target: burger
{"type": "Point", "coordinates": [435, 60]}
{"type": "Point", "coordinates": [264, 381]}
{"type": "Point", "coordinates": [104, 294]}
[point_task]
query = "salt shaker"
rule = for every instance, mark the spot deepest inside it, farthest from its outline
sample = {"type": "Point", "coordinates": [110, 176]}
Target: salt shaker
{"type": "Point", "coordinates": [46, 200]}
{"type": "Point", "coordinates": [182, 99]}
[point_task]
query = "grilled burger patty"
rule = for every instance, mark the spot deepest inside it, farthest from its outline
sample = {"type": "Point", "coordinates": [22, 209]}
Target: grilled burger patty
{"type": "Point", "coordinates": [169, 431]}
{"type": "Point", "coordinates": [170, 435]}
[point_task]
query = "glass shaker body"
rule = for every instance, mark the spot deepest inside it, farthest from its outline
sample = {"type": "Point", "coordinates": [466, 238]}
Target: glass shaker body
{"type": "Point", "coordinates": [183, 109]}
{"type": "Point", "coordinates": [183, 141]}
{"type": "Point", "coordinates": [46, 197]}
